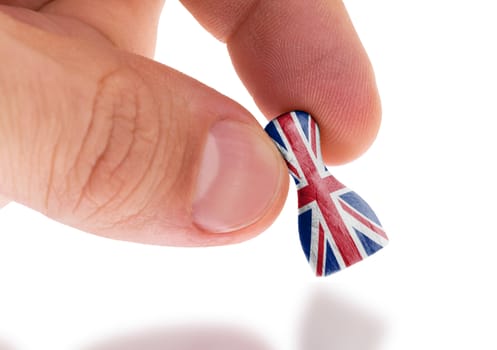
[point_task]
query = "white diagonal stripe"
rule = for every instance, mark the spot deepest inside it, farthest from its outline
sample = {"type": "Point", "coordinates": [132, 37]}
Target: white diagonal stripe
{"type": "Point", "coordinates": [289, 155]}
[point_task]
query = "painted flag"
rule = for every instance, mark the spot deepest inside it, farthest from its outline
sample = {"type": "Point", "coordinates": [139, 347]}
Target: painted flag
{"type": "Point", "coordinates": [337, 227]}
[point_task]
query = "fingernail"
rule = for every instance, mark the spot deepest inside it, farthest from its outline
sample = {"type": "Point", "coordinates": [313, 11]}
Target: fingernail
{"type": "Point", "coordinates": [238, 178]}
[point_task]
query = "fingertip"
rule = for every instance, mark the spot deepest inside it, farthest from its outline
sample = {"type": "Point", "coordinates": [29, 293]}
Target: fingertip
{"type": "Point", "coordinates": [309, 57]}
{"type": "Point", "coordinates": [349, 126]}
{"type": "Point", "coordinates": [297, 55]}
{"type": "Point", "coordinates": [217, 222]}
{"type": "Point", "coordinates": [238, 178]}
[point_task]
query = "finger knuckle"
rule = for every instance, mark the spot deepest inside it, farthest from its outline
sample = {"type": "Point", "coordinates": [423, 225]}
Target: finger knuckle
{"type": "Point", "coordinates": [119, 148]}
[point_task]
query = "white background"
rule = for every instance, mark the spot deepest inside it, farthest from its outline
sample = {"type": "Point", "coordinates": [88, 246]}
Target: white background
{"type": "Point", "coordinates": [430, 177]}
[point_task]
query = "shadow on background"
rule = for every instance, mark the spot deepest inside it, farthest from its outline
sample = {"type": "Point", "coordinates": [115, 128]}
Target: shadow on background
{"type": "Point", "coordinates": [330, 321]}
{"type": "Point", "coordinates": [201, 337]}
{"type": "Point", "coordinates": [5, 346]}
{"type": "Point", "coordinates": [333, 322]}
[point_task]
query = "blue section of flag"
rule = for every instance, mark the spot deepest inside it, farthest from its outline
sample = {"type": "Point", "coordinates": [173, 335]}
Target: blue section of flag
{"type": "Point", "coordinates": [356, 202]}
{"type": "Point", "coordinates": [331, 261]}
{"type": "Point", "coordinates": [303, 119]}
{"type": "Point", "coordinates": [274, 134]}
{"type": "Point", "coordinates": [295, 178]}
{"type": "Point", "coordinates": [305, 228]}
{"type": "Point", "coordinates": [369, 246]}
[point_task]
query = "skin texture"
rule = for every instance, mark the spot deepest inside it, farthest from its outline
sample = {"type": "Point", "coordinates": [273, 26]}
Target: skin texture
{"type": "Point", "coordinates": [95, 134]}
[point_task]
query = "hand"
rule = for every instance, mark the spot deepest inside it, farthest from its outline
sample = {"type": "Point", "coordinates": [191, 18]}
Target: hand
{"type": "Point", "coordinates": [96, 135]}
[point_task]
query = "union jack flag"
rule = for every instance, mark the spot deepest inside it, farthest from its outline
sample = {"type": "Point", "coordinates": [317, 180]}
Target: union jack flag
{"type": "Point", "coordinates": [337, 227]}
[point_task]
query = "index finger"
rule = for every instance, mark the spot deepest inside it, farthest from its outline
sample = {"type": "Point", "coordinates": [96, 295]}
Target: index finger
{"type": "Point", "coordinates": [303, 55]}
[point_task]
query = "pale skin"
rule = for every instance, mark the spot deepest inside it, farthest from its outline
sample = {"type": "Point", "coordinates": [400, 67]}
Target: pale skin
{"type": "Point", "coordinates": [97, 135]}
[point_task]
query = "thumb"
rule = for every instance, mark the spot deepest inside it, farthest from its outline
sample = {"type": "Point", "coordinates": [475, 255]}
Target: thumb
{"type": "Point", "coordinates": [121, 146]}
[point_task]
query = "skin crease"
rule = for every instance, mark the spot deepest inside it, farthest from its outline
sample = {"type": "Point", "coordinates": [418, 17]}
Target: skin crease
{"type": "Point", "coordinates": [103, 48]}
